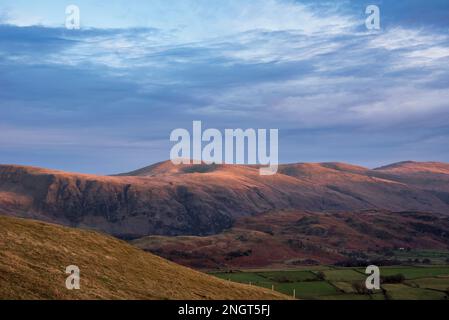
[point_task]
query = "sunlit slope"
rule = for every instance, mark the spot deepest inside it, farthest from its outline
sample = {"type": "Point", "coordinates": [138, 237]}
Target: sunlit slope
{"type": "Point", "coordinates": [201, 200]}
{"type": "Point", "coordinates": [34, 255]}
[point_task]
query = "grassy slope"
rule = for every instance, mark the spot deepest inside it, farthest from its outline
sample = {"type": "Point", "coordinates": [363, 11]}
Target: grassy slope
{"type": "Point", "coordinates": [34, 255]}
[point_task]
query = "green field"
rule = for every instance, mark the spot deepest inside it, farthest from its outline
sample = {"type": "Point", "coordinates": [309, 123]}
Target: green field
{"type": "Point", "coordinates": [436, 257]}
{"type": "Point", "coordinates": [344, 275]}
{"type": "Point", "coordinates": [420, 283]}
{"type": "Point", "coordinates": [414, 272]}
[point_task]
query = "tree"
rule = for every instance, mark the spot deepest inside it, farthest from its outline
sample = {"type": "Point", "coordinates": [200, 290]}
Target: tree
{"type": "Point", "coordinates": [320, 275]}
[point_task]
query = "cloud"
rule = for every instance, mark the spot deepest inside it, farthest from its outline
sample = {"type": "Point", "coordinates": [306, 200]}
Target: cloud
{"type": "Point", "coordinates": [308, 70]}
{"type": "Point", "coordinates": [188, 17]}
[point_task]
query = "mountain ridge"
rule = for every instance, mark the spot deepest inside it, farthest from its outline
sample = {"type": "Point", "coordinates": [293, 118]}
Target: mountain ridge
{"type": "Point", "coordinates": [164, 199]}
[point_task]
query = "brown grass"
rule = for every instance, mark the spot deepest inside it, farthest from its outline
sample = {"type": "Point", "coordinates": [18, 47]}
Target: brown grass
{"type": "Point", "coordinates": [34, 255]}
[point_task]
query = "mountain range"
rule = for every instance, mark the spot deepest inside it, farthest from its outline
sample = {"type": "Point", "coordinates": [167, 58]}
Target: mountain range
{"type": "Point", "coordinates": [203, 200]}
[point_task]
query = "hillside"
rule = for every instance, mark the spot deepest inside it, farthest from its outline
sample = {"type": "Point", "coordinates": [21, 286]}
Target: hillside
{"type": "Point", "coordinates": [292, 238]}
{"type": "Point", "coordinates": [34, 255]}
{"type": "Point", "coordinates": [201, 200]}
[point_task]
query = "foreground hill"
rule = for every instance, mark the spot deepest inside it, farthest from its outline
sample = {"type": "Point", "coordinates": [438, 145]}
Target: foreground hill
{"type": "Point", "coordinates": [164, 199]}
{"type": "Point", "coordinates": [34, 255]}
{"type": "Point", "coordinates": [290, 238]}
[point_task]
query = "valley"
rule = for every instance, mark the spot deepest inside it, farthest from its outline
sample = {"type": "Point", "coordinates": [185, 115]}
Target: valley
{"type": "Point", "coordinates": [337, 283]}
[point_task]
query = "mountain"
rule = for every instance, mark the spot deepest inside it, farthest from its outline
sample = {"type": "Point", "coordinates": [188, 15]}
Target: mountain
{"type": "Point", "coordinates": [200, 200]}
{"type": "Point", "coordinates": [290, 238]}
{"type": "Point", "coordinates": [34, 256]}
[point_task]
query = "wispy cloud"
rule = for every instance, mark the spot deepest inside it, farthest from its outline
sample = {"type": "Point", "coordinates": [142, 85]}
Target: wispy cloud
{"type": "Point", "coordinates": [301, 67]}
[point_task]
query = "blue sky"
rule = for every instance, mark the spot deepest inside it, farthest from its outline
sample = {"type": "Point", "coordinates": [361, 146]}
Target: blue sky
{"type": "Point", "coordinates": [104, 99]}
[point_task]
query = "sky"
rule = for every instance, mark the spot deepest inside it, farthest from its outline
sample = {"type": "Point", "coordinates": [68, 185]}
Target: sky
{"type": "Point", "coordinates": [104, 99]}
